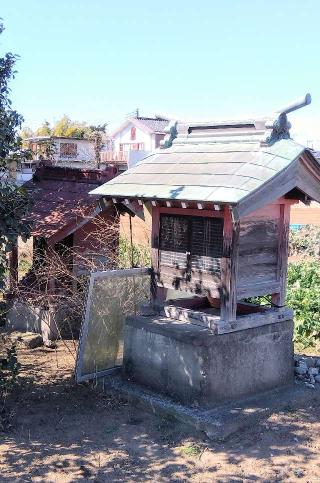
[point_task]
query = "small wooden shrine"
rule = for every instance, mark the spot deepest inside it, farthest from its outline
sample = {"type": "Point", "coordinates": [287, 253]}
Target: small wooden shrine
{"type": "Point", "coordinates": [219, 194]}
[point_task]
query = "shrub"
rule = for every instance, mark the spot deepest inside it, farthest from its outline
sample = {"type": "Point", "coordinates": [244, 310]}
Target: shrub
{"type": "Point", "coordinates": [303, 296]}
{"type": "Point", "coordinates": [305, 241]}
{"type": "Point", "coordinates": [9, 365]}
{"type": "Point", "coordinates": [135, 255]}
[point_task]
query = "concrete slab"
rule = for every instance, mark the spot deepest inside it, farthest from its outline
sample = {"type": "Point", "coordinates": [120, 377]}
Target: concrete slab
{"type": "Point", "coordinates": [222, 421]}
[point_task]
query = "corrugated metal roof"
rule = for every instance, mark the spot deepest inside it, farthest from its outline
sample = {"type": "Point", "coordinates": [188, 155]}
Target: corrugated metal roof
{"type": "Point", "coordinates": [221, 172]}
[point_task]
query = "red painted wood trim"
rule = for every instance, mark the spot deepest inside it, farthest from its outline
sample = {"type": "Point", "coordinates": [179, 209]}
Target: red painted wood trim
{"type": "Point", "coordinates": [190, 212]}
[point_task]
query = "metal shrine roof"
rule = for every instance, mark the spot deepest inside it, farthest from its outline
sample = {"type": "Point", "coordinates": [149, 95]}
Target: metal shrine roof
{"type": "Point", "coordinates": [230, 162]}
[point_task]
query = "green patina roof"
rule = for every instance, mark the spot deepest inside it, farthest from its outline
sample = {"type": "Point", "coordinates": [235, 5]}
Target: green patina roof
{"type": "Point", "coordinates": [220, 172]}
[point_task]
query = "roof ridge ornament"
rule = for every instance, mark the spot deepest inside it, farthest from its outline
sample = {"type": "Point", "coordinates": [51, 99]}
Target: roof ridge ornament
{"type": "Point", "coordinates": [279, 124]}
{"type": "Point", "coordinates": [171, 133]}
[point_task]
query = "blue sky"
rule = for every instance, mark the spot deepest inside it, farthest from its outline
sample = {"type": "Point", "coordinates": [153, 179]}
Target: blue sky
{"type": "Point", "coordinates": [97, 60]}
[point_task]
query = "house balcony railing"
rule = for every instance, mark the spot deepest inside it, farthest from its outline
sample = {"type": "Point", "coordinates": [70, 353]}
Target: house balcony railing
{"type": "Point", "coordinates": [116, 157]}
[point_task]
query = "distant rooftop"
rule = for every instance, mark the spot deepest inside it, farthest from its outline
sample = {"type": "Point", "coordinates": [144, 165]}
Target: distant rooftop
{"type": "Point", "coordinates": [154, 124]}
{"type": "Point", "coordinates": [60, 197]}
{"type": "Point", "coordinates": [44, 138]}
{"type": "Point", "coordinates": [151, 125]}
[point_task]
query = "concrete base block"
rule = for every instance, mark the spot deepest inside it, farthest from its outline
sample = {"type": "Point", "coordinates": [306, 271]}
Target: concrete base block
{"type": "Point", "coordinates": [222, 421]}
{"type": "Point", "coordinates": [27, 318]}
{"type": "Point", "coordinates": [192, 365]}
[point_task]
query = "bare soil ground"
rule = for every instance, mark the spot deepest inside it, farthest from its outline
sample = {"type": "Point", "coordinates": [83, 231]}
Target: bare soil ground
{"type": "Point", "coordinates": [63, 432]}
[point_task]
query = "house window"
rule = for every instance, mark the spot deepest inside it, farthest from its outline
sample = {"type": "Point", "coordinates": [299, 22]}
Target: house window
{"type": "Point", "coordinates": [68, 150]}
{"type": "Point", "coordinates": [133, 134]}
{"type": "Point", "coordinates": [191, 243]}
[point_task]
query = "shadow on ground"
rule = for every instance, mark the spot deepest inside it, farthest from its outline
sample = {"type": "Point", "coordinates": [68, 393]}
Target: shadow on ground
{"type": "Point", "coordinates": [67, 432]}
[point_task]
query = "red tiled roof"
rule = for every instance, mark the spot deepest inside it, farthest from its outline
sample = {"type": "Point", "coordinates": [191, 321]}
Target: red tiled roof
{"type": "Point", "coordinates": [60, 197]}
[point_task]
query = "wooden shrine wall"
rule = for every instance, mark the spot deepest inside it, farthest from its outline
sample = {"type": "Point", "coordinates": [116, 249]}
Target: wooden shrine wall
{"type": "Point", "coordinates": [258, 261]}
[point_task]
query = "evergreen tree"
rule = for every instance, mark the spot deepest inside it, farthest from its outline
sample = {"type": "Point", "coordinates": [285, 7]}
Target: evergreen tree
{"type": "Point", "coordinates": [14, 201]}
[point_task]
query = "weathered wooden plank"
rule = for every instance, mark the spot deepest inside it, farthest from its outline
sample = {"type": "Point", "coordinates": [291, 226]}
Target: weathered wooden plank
{"type": "Point", "coordinates": [255, 231]}
{"type": "Point", "coordinates": [258, 252]}
{"type": "Point", "coordinates": [154, 248]}
{"type": "Point", "coordinates": [270, 191]}
{"type": "Point", "coordinates": [282, 267]}
{"type": "Point", "coordinates": [255, 289]}
{"type": "Point", "coordinates": [257, 272]}
{"type": "Point", "coordinates": [229, 265]}
{"type": "Point", "coordinates": [219, 326]}
{"type": "Point", "coordinates": [196, 286]}
{"type": "Point", "coordinates": [249, 321]}
{"type": "Point", "coordinates": [257, 257]}
{"type": "Point", "coordinates": [309, 179]}
{"type": "Point", "coordinates": [191, 212]}
{"type": "Point", "coordinates": [205, 277]}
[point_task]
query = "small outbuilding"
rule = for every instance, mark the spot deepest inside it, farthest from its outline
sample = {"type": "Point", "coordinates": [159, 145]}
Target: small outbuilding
{"type": "Point", "coordinates": [64, 223]}
{"type": "Point", "coordinates": [219, 194]}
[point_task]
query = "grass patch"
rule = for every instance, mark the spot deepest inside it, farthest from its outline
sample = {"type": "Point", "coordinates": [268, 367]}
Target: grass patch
{"type": "Point", "coordinates": [193, 450]}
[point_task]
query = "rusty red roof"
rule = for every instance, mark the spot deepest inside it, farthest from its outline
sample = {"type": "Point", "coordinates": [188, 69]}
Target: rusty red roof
{"type": "Point", "coordinates": [60, 197]}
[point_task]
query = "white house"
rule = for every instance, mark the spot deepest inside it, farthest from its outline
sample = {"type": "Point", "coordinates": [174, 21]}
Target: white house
{"type": "Point", "coordinates": [65, 150]}
{"type": "Point", "coordinates": [134, 140]}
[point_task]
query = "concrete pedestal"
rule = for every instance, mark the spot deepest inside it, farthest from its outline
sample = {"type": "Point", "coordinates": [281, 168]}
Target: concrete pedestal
{"type": "Point", "coordinates": [194, 366]}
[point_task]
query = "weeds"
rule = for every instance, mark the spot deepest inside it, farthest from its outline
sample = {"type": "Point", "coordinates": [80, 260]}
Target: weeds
{"type": "Point", "coordinates": [193, 450]}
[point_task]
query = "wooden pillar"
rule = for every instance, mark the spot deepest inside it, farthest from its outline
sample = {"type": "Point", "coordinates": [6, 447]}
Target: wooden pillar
{"type": "Point", "coordinates": [13, 269]}
{"type": "Point", "coordinates": [283, 246]}
{"type": "Point", "coordinates": [152, 214]}
{"type": "Point", "coordinates": [229, 265]}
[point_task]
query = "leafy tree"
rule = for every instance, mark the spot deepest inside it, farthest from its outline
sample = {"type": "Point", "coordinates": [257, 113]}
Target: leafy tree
{"type": "Point", "coordinates": [97, 134]}
{"type": "Point", "coordinates": [60, 128]}
{"type": "Point", "coordinates": [76, 130]}
{"type": "Point", "coordinates": [14, 201]}
{"type": "Point", "coordinates": [26, 132]}
{"type": "Point", "coordinates": [44, 129]}
{"type": "Point", "coordinates": [47, 149]}
{"type": "Point", "coordinates": [68, 128]}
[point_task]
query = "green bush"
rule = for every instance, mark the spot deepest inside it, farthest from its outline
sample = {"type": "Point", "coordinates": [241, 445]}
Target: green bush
{"type": "Point", "coordinates": [303, 296]}
{"type": "Point", "coordinates": [135, 255]}
{"type": "Point", "coordinates": [9, 365]}
{"type": "Point", "coordinates": [305, 241]}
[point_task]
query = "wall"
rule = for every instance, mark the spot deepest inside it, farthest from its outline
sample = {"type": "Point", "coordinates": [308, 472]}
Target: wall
{"type": "Point", "coordinates": [258, 251]}
{"type": "Point", "coordinates": [305, 215]}
{"type": "Point", "coordinates": [87, 241]}
{"type": "Point", "coordinates": [135, 156]}
{"type": "Point", "coordinates": [124, 136]}
{"type": "Point", "coordinates": [85, 151]}
{"type": "Point", "coordinates": [141, 230]}
{"type": "Point", "coordinates": [193, 366]}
